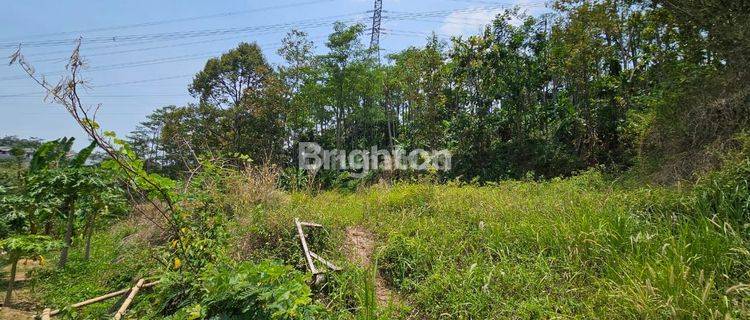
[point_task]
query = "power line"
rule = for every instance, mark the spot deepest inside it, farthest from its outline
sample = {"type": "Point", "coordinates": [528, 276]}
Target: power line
{"type": "Point", "coordinates": [168, 21]}
{"type": "Point", "coordinates": [86, 48]}
{"type": "Point", "coordinates": [132, 64]}
{"type": "Point", "coordinates": [164, 36]}
{"type": "Point", "coordinates": [107, 53]}
{"type": "Point", "coordinates": [135, 95]}
{"type": "Point", "coordinates": [415, 33]}
{"type": "Point", "coordinates": [309, 23]}
{"type": "Point", "coordinates": [510, 4]}
{"type": "Point", "coordinates": [401, 15]}
{"type": "Point", "coordinates": [115, 84]}
{"type": "Point", "coordinates": [137, 63]}
{"type": "Point", "coordinates": [213, 32]}
{"type": "Point", "coordinates": [125, 65]}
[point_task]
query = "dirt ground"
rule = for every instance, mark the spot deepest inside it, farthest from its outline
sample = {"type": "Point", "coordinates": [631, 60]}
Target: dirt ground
{"type": "Point", "coordinates": [13, 314]}
{"type": "Point", "coordinates": [22, 303]}
{"type": "Point", "coordinates": [360, 243]}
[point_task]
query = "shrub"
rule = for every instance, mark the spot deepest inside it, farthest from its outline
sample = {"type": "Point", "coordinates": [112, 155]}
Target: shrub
{"type": "Point", "coordinates": [726, 193]}
{"type": "Point", "coordinates": [267, 290]}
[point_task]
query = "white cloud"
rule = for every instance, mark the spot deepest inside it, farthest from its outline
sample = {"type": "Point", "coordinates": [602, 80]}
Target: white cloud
{"type": "Point", "coordinates": [473, 19]}
{"type": "Point", "coordinates": [468, 22]}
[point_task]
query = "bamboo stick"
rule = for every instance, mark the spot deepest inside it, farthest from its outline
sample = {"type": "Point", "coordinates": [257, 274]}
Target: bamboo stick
{"type": "Point", "coordinates": [102, 298]}
{"type": "Point", "coordinates": [311, 224]}
{"type": "Point", "coordinates": [304, 247]}
{"type": "Point", "coordinates": [324, 261]}
{"type": "Point", "coordinates": [126, 304]}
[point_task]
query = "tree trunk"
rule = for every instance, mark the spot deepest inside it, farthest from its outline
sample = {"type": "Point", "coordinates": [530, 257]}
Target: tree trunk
{"type": "Point", "coordinates": [48, 227]}
{"type": "Point", "coordinates": [68, 232]}
{"type": "Point", "coordinates": [89, 231]}
{"type": "Point", "coordinates": [11, 283]}
{"type": "Point", "coordinates": [32, 222]}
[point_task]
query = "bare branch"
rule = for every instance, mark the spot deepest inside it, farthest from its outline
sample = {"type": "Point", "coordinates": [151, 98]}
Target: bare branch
{"type": "Point", "coordinates": [65, 93]}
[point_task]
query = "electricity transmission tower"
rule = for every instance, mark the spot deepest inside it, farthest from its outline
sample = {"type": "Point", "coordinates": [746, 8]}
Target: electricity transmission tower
{"type": "Point", "coordinates": [376, 17]}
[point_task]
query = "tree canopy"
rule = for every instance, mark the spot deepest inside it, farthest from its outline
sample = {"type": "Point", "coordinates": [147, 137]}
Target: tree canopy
{"type": "Point", "coordinates": [604, 83]}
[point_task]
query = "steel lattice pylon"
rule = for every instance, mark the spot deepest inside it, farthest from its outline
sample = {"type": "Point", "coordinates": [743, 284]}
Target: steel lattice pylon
{"type": "Point", "coordinates": [376, 17]}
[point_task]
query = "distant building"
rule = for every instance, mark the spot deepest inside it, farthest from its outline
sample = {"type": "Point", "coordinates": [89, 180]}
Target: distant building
{"type": "Point", "coordinates": [7, 154]}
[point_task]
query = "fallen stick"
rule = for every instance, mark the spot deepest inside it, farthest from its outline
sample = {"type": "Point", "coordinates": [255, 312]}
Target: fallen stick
{"type": "Point", "coordinates": [304, 247]}
{"type": "Point", "coordinates": [127, 302]}
{"type": "Point", "coordinates": [101, 298]}
{"type": "Point", "coordinates": [310, 224]}
{"type": "Point", "coordinates": [325, 262]}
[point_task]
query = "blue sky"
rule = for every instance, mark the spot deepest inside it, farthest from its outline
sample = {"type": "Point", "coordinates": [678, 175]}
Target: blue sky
{"type": "Point", "coordinates": [135, 76]}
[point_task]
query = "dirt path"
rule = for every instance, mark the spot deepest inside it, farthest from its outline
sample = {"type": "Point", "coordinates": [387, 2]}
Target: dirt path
{"type": "Point", "coordinates": [360, 243]}
{"type": "Point", "coordinates": [22, 301]}
{"type": "Point", "coordinates": [24, 266]}
{"type": "Point", "coordinates": [13, 314]}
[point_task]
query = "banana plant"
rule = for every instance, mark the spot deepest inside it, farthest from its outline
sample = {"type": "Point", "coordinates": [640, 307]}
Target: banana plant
{"type": "Point", "coordinates": [55, 184]}
{"type": "Point", "coordinates": [55, 172]}
{"type": "Point", "coordinates": [27, 202]}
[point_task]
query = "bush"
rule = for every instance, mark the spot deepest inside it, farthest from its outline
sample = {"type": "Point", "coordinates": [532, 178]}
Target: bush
{"type": "Point", "coordinates": [267, 290]}
{"type": "Point", "coordinates": [726, 193]}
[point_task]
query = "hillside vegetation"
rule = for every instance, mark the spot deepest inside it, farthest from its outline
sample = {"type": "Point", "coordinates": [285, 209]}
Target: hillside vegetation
{"type": "Point", "coordinates": [579, 247]}
{"type": "Point", "coordinates": [601, 169]}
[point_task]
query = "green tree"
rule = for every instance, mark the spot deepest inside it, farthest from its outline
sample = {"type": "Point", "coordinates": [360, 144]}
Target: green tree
{"type": "Point", "coordinates": [53, 171]}
{"type": "Point", "coordinates": [243, 83]}
{"type": "Point", "coordinates": [417, 84]}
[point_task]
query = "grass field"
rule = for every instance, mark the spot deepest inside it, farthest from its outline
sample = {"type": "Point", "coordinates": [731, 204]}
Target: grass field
{"type": "Point", "coordinates": [572, 248]}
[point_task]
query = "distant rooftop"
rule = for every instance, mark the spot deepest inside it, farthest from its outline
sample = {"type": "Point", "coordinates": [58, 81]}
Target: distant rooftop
{"type": "Point", "coordinates": [5, 152]}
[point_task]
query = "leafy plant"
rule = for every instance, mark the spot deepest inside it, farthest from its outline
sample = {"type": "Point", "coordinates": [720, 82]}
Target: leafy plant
{"type": "Point", "coordinates": [24, 246]}
{"type": "Point", "coordinates": [726, 192]}
{"type": "Point", "coordinates": [403, 262]}
{"type": "Point", "coordinates": [267, 290]}
{"type": "Point", "coordinates": [53, 172]}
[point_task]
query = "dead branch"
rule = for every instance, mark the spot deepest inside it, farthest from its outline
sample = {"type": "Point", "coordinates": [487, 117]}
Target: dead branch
{"type": "Point", "coordinates": [65, 93]}
{"type": "Point", "coordinates": [309, 255]}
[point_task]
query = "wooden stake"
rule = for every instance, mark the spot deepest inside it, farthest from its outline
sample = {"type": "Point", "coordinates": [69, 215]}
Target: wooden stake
{"type": "Point", "coordinates": [304, 247]}
{"type": "Point", "coordinates": [127, 302]}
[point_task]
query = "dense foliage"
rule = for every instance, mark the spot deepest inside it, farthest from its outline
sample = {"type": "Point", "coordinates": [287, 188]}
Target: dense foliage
{"type": "Point", "coordinates": [267, 290]}
{"type": "Point", "coordinates": [55, 194]}
{"type": "Point", "coordinates": [609, 83]}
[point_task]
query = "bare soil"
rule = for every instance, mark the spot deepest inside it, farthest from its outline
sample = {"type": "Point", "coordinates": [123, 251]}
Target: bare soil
{"type": "Point", "coordinates": [360, 244]}
{"type": "Point", "coordinates": [14, 314]}
{"type": "Point", "coordinates": [22, 301]}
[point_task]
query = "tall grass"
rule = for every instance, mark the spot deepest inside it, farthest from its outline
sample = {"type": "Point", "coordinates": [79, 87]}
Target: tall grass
{"type": "Point", "coordinates": [582, 247]}
{"type": "Point", "coordinates": [573, 248]}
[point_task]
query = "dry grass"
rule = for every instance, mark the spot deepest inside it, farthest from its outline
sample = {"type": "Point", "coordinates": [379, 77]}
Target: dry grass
{"type": "Point", "coordinates": [147, 221]}
{"type": "Point", "coordinates": [697, 135]}
{"type": "Point", "coordinates": [256, 185]}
